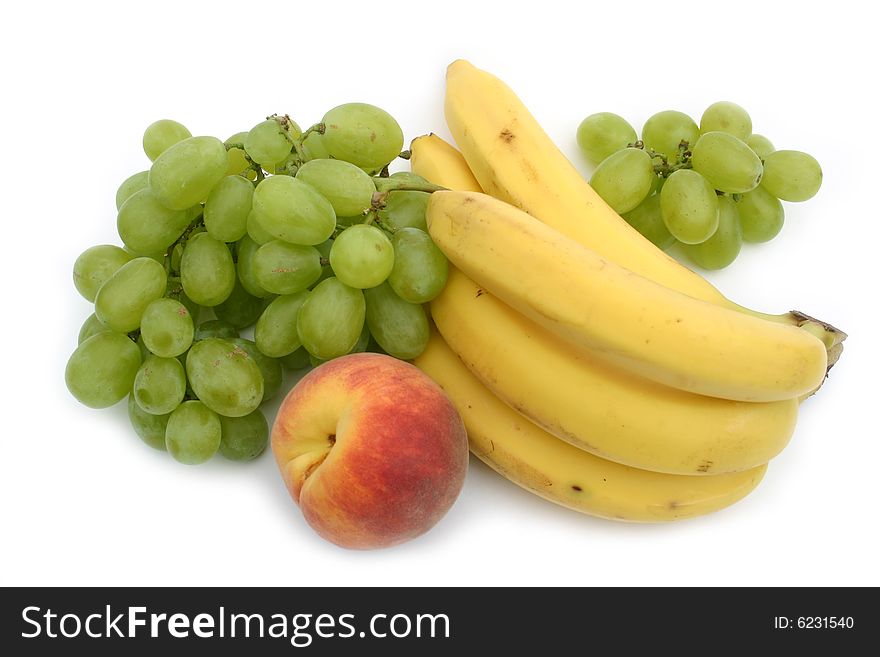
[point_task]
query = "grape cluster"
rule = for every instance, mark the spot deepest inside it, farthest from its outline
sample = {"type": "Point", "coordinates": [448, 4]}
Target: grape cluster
{"type": "Point", "coordinates": [708, 187]}
{"type": "Point", "coordinates": [302, 235]}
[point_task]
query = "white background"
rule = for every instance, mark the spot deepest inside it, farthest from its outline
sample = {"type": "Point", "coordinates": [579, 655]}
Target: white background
{"type": "Point", "coordinates": [83, 501]}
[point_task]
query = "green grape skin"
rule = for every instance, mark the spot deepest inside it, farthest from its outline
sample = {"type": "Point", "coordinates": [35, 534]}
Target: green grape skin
{"type": "Point", "coordinates": [193, 433]}
{"type": "Point", "coordinates": [238, 162]}
{"type": "Point", "coordinates": [297, 359]}
{"type": "Point", "coordinates": [724, 246]}
{"type": "Point", "coordinates": [399, 327]}
{"type": "Point", "coordinates": [313, 147]}
{"type": "Point", "coordinates": [624, 179]}
{"type": "Point", "coordinates": [122, 300]}
{"type": "Point", "coordinates": [146, 226]}
{"type": "Point", "coordinates": [648, 220]}
{"type": "Point", "coordinates": [293, 211]}
{"type": "Point", "coordinates": [727, 163]}
{"type": "Point", "coordinates": [362, 134]}
{"type": "Point", "coordinates": [207, 271]}
{"type": "Point", "coordinates": [241, 309]}
{"type": "Point", "coordinates": [689, 206]}
{"type": "Point", "coordinates": [727, 117]}
{"type": "Point", "coordinates": [134, 183]}
{"type": "Point", "coordinates": [162, 135]}
{"type": "Point", "coordinates": [363, 341]}
{"type": "Point", "coordinates": [270, 368]}
{"type": "Point", "coordinates": [184, 175]}
{"type": "Point", "coordinates": [243, 438]}
{"type": "Point", "coordinates": [167, 327]}
{"type": "Point", "coordinates": [267, 143]}
{"type": "Point", "coordinates": [275, 334]}
{"type": "Point", "coordinates": [761, 145]}
{"type": "Point", "coordinates": [603, 134]}
{"type": "Point", "coordinates": [331, 318]}
{"type": "Point", "coordinates": [175, 291]}
{"type": "Point", "coordinates": [224, 377]}
{"type": "Point", "coordinates": [101, 370]}
{"type": "Point", "coordinates": [92, 326]}
{"type": "Point", "coordinates": [245, 249]}
{"type": "Point", "coordinates": [326, 269]}
{"type": "Point", "coordinates": [362, 256]}
{"type": "Point", "coordinates": [420, 268]}
{"type": "Point", "coordinates": [405, 208]}
{"type": "Point", "coordinates": [148, 427]}
{"type": "Point", "coordinates": [349, 190]}
{"type": "Point", "coordinates": [95, 266]}
{"type": "Point", "coordinates": [664, 131]}
{"type": "Point", "coordinates": [283, 268]}
{"type": "Point", "coordinates": [227, 209]}
{"type": "Point", "coordinates": [255, 230]}
{"type": "Point", "coordinates": [215, 328]}
{"type": "Point", "coordinates": [792, 175]}
{"type": "Point", "coordinates": [159, 385]}
{"type": "Point", "coordinates": [761, 215]}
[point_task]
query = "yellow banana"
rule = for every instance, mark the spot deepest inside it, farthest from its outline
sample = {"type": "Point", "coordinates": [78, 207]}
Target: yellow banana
{"type": "Point", "coordinates": [514, 160]}
{"type": "Point", "coordinates": [537, 461]}
{"type": "Point", "coordinates": [597, 407]}
{"type": "Point", "coordinates": [441, 163]}
{"type": "Point", "coordinates": [639, 325]}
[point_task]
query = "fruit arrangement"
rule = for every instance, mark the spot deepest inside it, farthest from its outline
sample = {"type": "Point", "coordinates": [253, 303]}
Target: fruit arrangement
{"type": "Point", "coordinates": [707, 187]}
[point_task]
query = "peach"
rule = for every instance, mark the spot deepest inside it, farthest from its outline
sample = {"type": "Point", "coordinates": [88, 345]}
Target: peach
{"type": "Point", "coordinates": [371, 449]}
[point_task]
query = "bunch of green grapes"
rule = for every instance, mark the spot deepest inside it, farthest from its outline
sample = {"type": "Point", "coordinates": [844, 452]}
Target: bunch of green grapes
{"type": "Point", "coordinates": [708, 187]}
{"type": "Point", "coordinates": [302, 236]}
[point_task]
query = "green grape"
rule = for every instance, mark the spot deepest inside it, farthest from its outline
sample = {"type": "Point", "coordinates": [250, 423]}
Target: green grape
{"type": "Point", "coordinates": [275, 333]}
{"type": "Point", "coordinates": [142, 347]}
{"type": "Point", "coordinates": [400, 327]}
{"type": "Point", "coordinates": [761, 215]}
{"type": "Point", "coordinates": [600, 135]}
{"type": "Point", "coordinates": [331, 318]}
{"type": "Point", "coordinates": [215, 328]}
{"type": "Point", "coordinates": [792, 175]}
{"type": "Point", "coordinates": [326, 269]}
{"type": "Point", "coordinates": [224, 377]}
{"type": "Point", "coordinates": [101, 370]}
{"type": "Point", "coordinates": [267, 142]}
{"type": "Point", "coordinates": [362, 134]}
{"type": "Point", "coordinates": [245, 249]}
{"type": "Point", "coordinates": [241, 309]}
{"type": "Point", "coordinates": [160, 385]}
{"type": "Point", "coordinates": [293, 211]}
{"type": "Point", "coordinates": [227, 209]}
{"type": "Point", "coordinates": [362, 256]}
{"type": "Point", "coordinates": [349, 190]}
{"type": "Point", "coordinates": [314, 361]}
{"type": "Point", "coordinates": [149, 428]}
{"type": "Point", "coordinates": [270, 368]}
{"type": "Point", "coordinates": [175, 291]}
{"type": "Point", "coordinates": [405, 208]}
{"type": "Point", "coordinates": [648, 220]}
{"type": "Point", "coordinates": [121, 301]}
{"type": "Point", "coordinates": [236, 158]}
{"type": "Point", "coordinates": [146, 226]}
{"type": "Point", "coordinates": [283, 268]}
{"type": "Point", "coordinates": [728, 117]}
{"type": "Point", "coordinates": [184, 175]}
{"type": "Point", "coordinates": [255, 229]}
{"type": "Point", "coordinates": [243, 438]}
{"type": "Point", "coordinates": [722, 248]}
{"type": "Point", "coordinates": [420, 268]}
{"type": "Point", "coordinates": [689, 206]}
{"type": "Point", "coordinates": [296, 360]}
{"type": "Point", "coordinates": [95, 266]}
{"type": "Point", "coordinates": [192, 435]}
{"type": "Point", "coordinates": [624, 179]}
{"type": "Point", "coordinates": [313, 147]}
{"type": "Point", "coordinates": [761, 145]}
{"type": "Point", "coordinates": [409, 178]}
{"type": "Point", "coordinates": [207, 271]}
{"type": "Point", "coordinates": [167, 327]}
{"type": "Point", "coordinates": [727, 163]}
{"type": "Point", "coordinates": [664, 131]}
{"type": "Point", "coordinates": [363, 341]}
{"type": "Point", "coordinates": [162, 135]}
{"type": "Point", "coordinates": [92, 326]}
{"type": "Point", "coordinates": [130, 185]}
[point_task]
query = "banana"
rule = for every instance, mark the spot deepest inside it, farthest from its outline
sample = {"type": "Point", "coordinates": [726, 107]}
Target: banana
{"type": "Point", "coordinates": [441, 163]}
{"type": "Point", "coordinates": [631, 321]}
{"type": "Point", "coordinates": [550, 468]}
{"type": "Point", "coordinates": [514, 160]}
{"type": "Point", "coordinates": [597, 407]}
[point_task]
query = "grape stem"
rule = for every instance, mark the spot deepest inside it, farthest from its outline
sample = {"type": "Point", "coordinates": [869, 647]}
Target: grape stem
{"type": "Point", "coordinates": [385, 185]}
{"type": "Point", "coordinates": [664, 169]}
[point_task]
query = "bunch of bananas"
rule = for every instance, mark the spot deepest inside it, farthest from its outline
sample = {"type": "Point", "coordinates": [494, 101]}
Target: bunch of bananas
{"type": "Point", "coordinates": [589, 367]}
